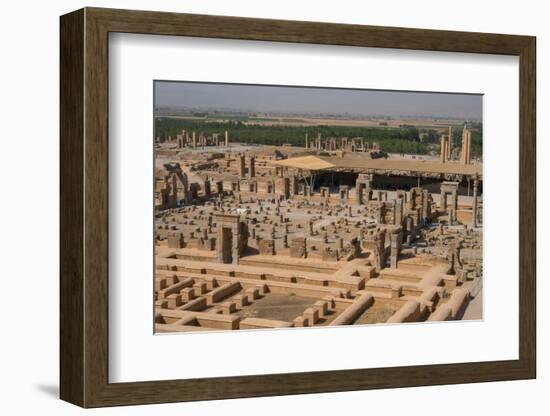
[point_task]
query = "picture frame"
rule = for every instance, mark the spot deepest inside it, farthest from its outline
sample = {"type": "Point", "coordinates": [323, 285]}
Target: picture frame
{"type": "Point", "coordinates": [84, 218]}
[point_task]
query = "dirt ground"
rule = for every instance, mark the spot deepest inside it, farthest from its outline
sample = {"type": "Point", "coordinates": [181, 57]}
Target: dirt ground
{"type": "Point", "coordinates": [278, 307]}
{"type": "Point", "coordinates": [377, 313]}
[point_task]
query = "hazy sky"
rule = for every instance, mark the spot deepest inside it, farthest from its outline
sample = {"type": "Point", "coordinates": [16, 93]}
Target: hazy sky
{"type": "Point", "coordinates": [262, 98]}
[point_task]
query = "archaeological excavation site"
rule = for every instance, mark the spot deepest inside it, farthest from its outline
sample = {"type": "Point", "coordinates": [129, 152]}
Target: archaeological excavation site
{"type": "Point", "coordinates": [332, 231]}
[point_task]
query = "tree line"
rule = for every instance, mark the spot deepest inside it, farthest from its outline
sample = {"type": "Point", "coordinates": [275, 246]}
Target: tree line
{"type": "Point", "coordinates": [403, 139]}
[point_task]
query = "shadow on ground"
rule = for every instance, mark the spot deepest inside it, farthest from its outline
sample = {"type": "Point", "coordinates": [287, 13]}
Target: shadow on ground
{"type": "Point", "coordinates": [51, 390]}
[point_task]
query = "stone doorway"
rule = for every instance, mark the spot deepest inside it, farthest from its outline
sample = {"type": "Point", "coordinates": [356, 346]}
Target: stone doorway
{"type": "Point", "coordinates": [227, 245]}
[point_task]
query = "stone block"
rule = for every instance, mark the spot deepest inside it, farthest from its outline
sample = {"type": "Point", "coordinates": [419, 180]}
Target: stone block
{"type": "Point", "coordinates": [300, 321]}
{"type": "Point", "coordinates": [241, 301]}
{"type": "Point", "coordinates": [228, 307]}
{"type": "Point", "coordinates": [322, 307]}
{"type": "Point", "coordinates": [211, 282]}
{"type": "Point", "coordinates": [160, 284]}
{"type": "Point", "coordinates": [174, 300]}
{"type": "Point", "coordinates": [312, 315]}
{"type": "Point", "coordinates": [187, 294]}
{"type": "Point", "coordinates": [199, 288]}
{"type": "Point", "coordinates": [263, 289]}
{"type": "Point", "coordinates": [253, 293]}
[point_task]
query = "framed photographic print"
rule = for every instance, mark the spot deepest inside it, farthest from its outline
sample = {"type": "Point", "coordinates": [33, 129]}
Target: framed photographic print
{"type": "Point", "coordinates": [256, 207]}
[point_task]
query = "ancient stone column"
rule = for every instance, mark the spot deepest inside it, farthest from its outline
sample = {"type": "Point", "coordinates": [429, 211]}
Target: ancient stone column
{"type": "Point", "coordinates": [443, 148]}
{"type": "Point", "coordinates": [398, 211]}
{"type": "Point", "coordinates": [453, 208]}
{"type": "Point", "coordinates": [185, 185]}
{"type": "Point", "coordinates": [226, 139]}
{"type": "Point", "coordinates": [443, 200]}
{"type": "Point", "coordinates": [452, 216]}
{"type": "Point", "coordinates": [219, 187]}
{"type": "Point", "coordinates": [359, 192]}
{"type": "Point", "coordinates": [307, 144]}
{"type": "Point", "coordinates": [466, 146]}
{"type": "Point", "coordinates": [450, 143]}
{"type": "Point", "coordinates": [194, 140]}
{"type": "Point", "coordinates": [174, 189]}
{"type": "Point", "coordinates": [381, 249]}
{"type": "Point", "coordinates": [344, 142]}
{"type": "Point", "coordinates": [294, 185]}
{"type": "Point", "coordinates": [344, 194]}
{"type": "Point", "coordinates": [207, 188]}
{"type": "Point", "coordinates": [242, 166]}
{"type": "Point", "coordinates": [412, 198]}
{"type": "Point", "coordinates": [474, 203]}
{"type": "Point", "coordinates": [396, 238]}
{"type": "Point", "coordinates": [286, 188]}
{"type": "Point", "coordinates": [310, 227]}
{"type": "Point", "coordinates": [469, 152]}
{"type": "Point", "coordinates": [381, 212]}
{"type": "Point", "coordinates": [251, 167]}
{"type": "Point", "coordinates": [426, 211]}
{"type": "Point", "coordinates": [410, 230]}
{"type": "Point", "coordinates": [454, 198]}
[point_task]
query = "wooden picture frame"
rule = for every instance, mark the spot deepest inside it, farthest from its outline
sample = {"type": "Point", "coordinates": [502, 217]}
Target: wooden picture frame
{"type": "Point", "coordinates": [84, 207]}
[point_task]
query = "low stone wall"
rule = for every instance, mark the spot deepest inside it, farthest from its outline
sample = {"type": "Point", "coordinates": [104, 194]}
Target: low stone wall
{"type": "Point", "coordinates": [443, 313]}
{"type": "Point", "coordinates": [222, 292]}
{"type": "Point", "coordinates": [175, 288]}
{"type": "Point", "coordinates": [297, 267]}
{"type": "Point", "coordinates": [350, 315]}
{"type": "Point", "coordinates": [458, 302]}
{"type": "Point", "coordinates": [205, 320]}
{"type": "Point", "coordinates": [197, 305]}
{"type": "Point", "coordinates": [409, 312]}
{"type": "Point", "coordinates": [429, 299]}
{"type": "Point", "coordinates": [257, 323]}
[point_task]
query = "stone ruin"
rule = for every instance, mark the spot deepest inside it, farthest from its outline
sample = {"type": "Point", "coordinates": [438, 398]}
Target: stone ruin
{"type": "Point", "coordinates": [244, 243]}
